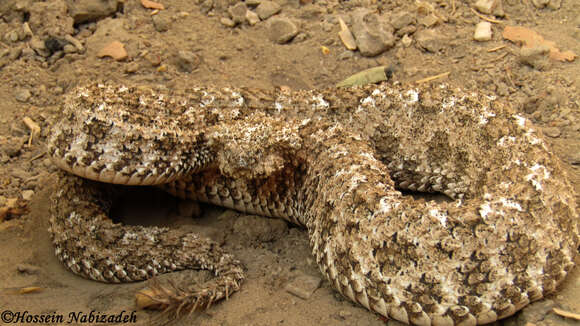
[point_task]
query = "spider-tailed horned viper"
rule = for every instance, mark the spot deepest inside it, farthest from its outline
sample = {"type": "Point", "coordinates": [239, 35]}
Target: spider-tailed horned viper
{"type": "Point", "coordinates": [332, 161]}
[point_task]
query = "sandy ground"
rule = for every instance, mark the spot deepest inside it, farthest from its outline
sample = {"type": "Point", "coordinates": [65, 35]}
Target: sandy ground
{"type": "Point", "coordinates": [32, 84]}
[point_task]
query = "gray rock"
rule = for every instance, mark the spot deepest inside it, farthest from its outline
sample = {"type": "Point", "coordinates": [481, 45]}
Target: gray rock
{"type": "Point", "coordinates": [187, 61]}
{"type": "Point", "coordinates": [238, 12]}
{"type": "Point", "coordinates": [161, 22]}
{"type": "Point", "coordinates": [282, 30]}
{"type": "Point", "coordinates": [22, 95]}
{"type": "Point", "coordinates": [259, 229]}
{"type": "Point", "coordinates": [429, 40]}
{"type": "Point", "coordinates": [92, 10]}
{"type": "Point", "coordinates": [372, 34]}
{"type": "Point", "coordinates": [266, 9]}
{"type": "Point", "coordinates": [402, 19]}
{"type": "Point", "coordinates": [303, 286]}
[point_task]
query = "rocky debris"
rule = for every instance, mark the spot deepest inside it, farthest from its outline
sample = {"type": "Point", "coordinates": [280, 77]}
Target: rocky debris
{"type": "Point", "coordinates": [115, 50]}
{"type": "Point", "coordinates": [282, 30]}
{"type": "Point", "coordinates": [372, 34]}
{"type": "Point", "coordinates": [536, 57]}
{"type": "Point", "coordinates": [22, 95]}
{"type": "Point", "coordinates": [259, 229]}
{"type": "Point", "coordinates": [238, 12]}
{"type": "Point", "coordinates": [429, 40]}
{"type": "Point", "coordinates": [252, 18]}
{"type": "Point", "coordinates": [266, 9]}
{"type": "Point", "coordinates": [482, 32]}
{"type": "Point", "coordinates": [303, 286]}
{"type": "Point", "coordinates": [92, 10]}
{"type": "Point", "coordinates": [50, 18]}
{"type": "Point", "coordinates": [490, 7]}
{"type": "Point", "coordinates": [186, 61]}
{"type": "Point", "coordinates": [161, 22]}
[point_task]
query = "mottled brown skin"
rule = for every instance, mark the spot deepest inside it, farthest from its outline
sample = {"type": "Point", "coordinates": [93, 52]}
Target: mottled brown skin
{"type": "Point", "coordinates": [334, 162]}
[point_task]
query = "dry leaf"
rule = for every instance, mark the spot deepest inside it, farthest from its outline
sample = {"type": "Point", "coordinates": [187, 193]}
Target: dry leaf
{"type": "Point", "coordinates": [144, 300]}
{"type": "Point", "coordinates": [369, 76]}
{"type": "Point", "coordinates": [152, 4]}
{"type": "Point", "coordinates": [115, 50]}
{"type": "Point", "coordinates": [346, 36]}
{"type": "Point", "coordinates": [566, 314]}
{"type": "Point", "coordinates": [530, 39]}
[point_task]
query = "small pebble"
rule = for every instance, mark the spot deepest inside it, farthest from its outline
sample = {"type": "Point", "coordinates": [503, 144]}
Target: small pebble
{"type": "Point", "coordinates": [22, 95]}
{"type": "Point", "coordinates": [430, 40]}
{"type": "Point", "coordinates": [402, 19]}
{"type": "Point", "coordinates": [27, 194]}
{"type": "Point", "coordinates": [69, 48]}
{"type": "Point", "coordinates": [553, 132]}
{"type": "Point", "coordinates": [482, 32]}
{"type": "Point", "coordinates": [406, 41]}
{"type": "Point", "coordinates": [161, 22]}
{"type": "Point", "coordinates": [252, 18]}
{"type": "Point", "coordinates": [187, 61]}
{"type": "Point", "coordinates": [266, 9]}
{"type": "Point", "coordinates": [303, 286]}
{"type": "Point", "coordinates": [131, 67]}
{"type": "Point", "coordinates": [343, 314]}
{"type": "Point", "coordinates": [28, 269]}
{"type": "Point", "coordinates": [238, 12]}
{"type": "Point", "coordinates": [282, 30]}
{"type": "Point", "coordinates": [227, 22]}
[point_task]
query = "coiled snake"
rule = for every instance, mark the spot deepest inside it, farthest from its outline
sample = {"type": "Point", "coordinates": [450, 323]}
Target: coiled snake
{"type": "Point", "coordinates": [332, 161]}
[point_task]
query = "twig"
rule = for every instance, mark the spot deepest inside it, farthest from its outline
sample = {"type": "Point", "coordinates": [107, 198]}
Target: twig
{"type": "Point", "coordinates": [37, 157]}
{"type": "Point", "coordinates": [496, 48]}
{"type": "Point", "coordinates": [499, 57]}
{"type": "Point", "coordinates": [491, 20]}
{"type": "Point", "coordinates": [566, 314]}
{"type": "Point", "coordinates": [428, 79]}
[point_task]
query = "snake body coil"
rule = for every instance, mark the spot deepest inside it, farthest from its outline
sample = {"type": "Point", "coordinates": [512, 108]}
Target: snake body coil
{"type": "Point", "coordinates": [332, 161]}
